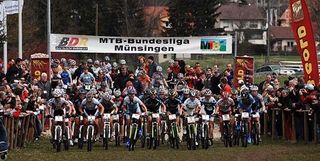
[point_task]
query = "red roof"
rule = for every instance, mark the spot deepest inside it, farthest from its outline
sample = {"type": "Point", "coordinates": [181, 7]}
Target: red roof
{"type": "Point", "coordinates": [234, 11]}
{"type": "Point", "coordinates": [279, 32]}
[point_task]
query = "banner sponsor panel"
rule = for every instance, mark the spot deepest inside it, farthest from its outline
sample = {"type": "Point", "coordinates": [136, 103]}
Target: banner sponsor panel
{"type": "Point", "coordinates": [39, 64]}
{"type": "Point", "coordinates": [141, 45]}
{"type": "Point", "coordinates": [302, 30]}
{"type": "Point", "coordinates": [243, 70]}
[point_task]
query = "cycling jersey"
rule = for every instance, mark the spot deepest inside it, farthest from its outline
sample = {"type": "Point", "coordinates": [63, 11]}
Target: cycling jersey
{"type": "Point", "coordinates": [153, 105]}
{"type": "Point", "coordinates": [190, 105]}
{"type": "Point", "coordinates": [246, 104]}
{"type": "Point", "coordinates": [65, 76]}
{"type": "Point", "coordinates": [133, 106]}
{"type": "Point", "coordinates": [108, 105]}
{"type": "Point", "coordinates": [86, 78]}
{"type": "Point", "coordinates": [57, 104]}
{"type": "Point", "coordinates": [208, 105]}
{"type": "Point", "coordinates": [257, 102]}
{"type": "Point", "coordinates": [225, 105]}
{"type": "Point", "coordinates": [172, 105]}
{"type": "Point", "coordinates": [90, 107]}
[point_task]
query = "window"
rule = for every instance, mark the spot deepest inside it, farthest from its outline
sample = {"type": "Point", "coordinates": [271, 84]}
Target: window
{"type": "Point", "coordinates": [290, 44]}
{"type": "Point", "coordinates": [253, 25]}
{"type": "Point", "coordinates": [165, 56]}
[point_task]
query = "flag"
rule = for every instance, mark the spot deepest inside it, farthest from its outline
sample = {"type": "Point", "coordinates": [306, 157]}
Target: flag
{"type": "Point", "coordinates": [302, 30]}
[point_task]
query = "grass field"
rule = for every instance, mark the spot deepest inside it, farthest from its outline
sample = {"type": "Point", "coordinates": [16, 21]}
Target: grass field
{"type": "Point", "coordinates": [223, 60]}
{"type": "Point", "coordinates": [268, 151]}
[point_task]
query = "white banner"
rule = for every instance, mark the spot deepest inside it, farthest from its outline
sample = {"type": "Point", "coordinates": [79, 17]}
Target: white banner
{"type": "Point", "coordinates": [12, 7]}
{"type": "Point", "coordinates": [141, 45]}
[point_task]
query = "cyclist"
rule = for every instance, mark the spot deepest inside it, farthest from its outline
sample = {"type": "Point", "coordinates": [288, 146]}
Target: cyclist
{"type": "Point", "coordinates": [132, 104]}
{"type": "Point", "coordinates": [90, 106]}
{"type": "Point", "coordinates": [258, 105]}
{"type": "Point", "coordinates": [87, 78]}
{"type": "Point", "coordinates": [109, 107]}
{"type": "Point", "coordinates": [191, 106]}
{"type": "Point", "coordinates": [154, 105]}
{"type": "Point", "coordinates": [224, 106]}
{"type": "Point", "coordinates": [77, 104]}
{"type": "Point", "coordinates": [246, 102]}
{"type": "Point", "coordinates": [70, 110]}
{"type": "Point", "coordinates": [173, 105]}
{"type": "Point", "coordinates": [56, 106]}
{"type": "Point", "coordinates": [208, 105]}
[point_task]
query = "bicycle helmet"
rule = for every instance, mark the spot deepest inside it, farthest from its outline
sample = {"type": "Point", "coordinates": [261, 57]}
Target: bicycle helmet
{"type": "Point", "coordinates": [186, 91]}
{"type": "Point", "coordinates": [97, 62]}
{"type": "Point", "coordinates": [254, 88]}
{"type": "Point", "coordinates": [207, 92]}
{"type": "Point", "coordinates": [89, 61]}
{"type": "Point", "coordinates": [117, 93]}
{"type": "Point", "coordinates": [122, 62]}
{"type": "Point", "coordinates": [115, 64]}
{"type": "Point", "coordinates": [172, 92]}
{"type": "Point", "coordinates": [234, 92]}
{"type": "Point", "coordinates": [159, 69]}
{"type": "Point", "coordinates": [153, 91]}
{"type": "Point", "coordinates": [193, 93]}
{"type": "Point", "coordinates": [107, 58]}
{"type": "Point", "coordinates": [89, 96]}
{"type": "Point", "coordinates": [180, 76]}
{"type": "Point", "coordinates": [82, 91]}
{"type": "Point", "coordinates": [244, 93]}
{"type": "Point", "coordinates": [57, 93]}
{"type": "Point", "coordinates": [107, 97]}
{"type": "Point", "coordinates": [309, 87]}
{"type": "Point", "coordinates": [131, 91]}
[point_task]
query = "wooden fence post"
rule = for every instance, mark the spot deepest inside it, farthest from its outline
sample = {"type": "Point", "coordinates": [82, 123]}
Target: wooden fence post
{"type": "Point", "coordinates": [305, 126]}
{"type": "Point", "coordinates": [294, 136]}
{"type": "Point", "coordinates": [272, 125]}
{"type": "Point", "coordinates": [283, 125]}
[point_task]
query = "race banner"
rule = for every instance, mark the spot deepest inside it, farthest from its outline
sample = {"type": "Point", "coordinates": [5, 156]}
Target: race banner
{"type": "Point", "coordinates": [243, 70]}
{"type": "Point", "coordinates": [302, 30]}
{"type": "Point", "coordinates": [141, 45]}
{"type": "Point", "coordinates": [39, 64]}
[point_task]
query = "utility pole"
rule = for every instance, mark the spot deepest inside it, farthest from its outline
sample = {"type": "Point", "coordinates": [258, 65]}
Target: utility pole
{"type": "Point", "coordinates": [97, 24]}
{"type": "Point", "coordinates": [49, 29]}
{"type": "Point", "coordinates": [267, 60]}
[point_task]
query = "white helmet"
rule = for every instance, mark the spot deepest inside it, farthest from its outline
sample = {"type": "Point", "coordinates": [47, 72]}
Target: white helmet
{"type": "Point", "coordinates": [107, 58]}
{"type": "Point", "coordinates": [123, 62]}
{"type": "Point", "coordinates": [309, 87]}
{"type": "Point", "coordinates": [159, 68]}
{"type": "Point", "coordinates": [97, 62]}
{"type": "Point", "coordinates": [115, 64]}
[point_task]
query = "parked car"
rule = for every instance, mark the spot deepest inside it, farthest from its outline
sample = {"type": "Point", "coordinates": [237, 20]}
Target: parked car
{"type": "Point", "coordinates": [274, 69]}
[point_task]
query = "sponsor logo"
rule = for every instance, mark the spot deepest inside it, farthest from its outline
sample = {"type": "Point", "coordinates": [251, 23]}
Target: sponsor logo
{"type": "Point", "coordinates": [72, 43]}
{"type": "Point", "coordinates": [217, 44]}
{"type": "Point", "coordinates": [297, 11]}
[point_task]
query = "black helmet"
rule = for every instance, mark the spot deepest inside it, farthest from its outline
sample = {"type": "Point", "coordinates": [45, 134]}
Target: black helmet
{"type": "Point", "coordinates": [193, 93]}
{"type": "Point", "coordinates": [172, 92]}
{"type": "Point", "coordinates": [153, 91]}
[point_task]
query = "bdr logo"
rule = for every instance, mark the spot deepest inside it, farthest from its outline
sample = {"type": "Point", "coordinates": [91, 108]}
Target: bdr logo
{"type": "Point", "coordinates": [73, 43]}
{"type": "Point", "coordinates": [214, 44]}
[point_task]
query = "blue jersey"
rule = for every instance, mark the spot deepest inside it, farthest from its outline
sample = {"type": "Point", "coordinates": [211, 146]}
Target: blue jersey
{"type": "Point", "coordinates": [246, 103]}
{"type": "Point", "coordinates": [65, 76]}
{"type": "Point", "coordinates": [208, 105]}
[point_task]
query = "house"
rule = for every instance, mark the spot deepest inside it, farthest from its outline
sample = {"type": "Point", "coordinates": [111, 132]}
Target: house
{"type": "Point", "coordinates": [247, 21]}
{"type": "Point", "coordinates": [282, 39]}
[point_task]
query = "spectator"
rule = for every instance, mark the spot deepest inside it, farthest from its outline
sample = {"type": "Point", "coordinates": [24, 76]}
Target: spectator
{"type": "Point", "coordinates": [15, 71]}
{"type": "Point", "coordinates": [215, 81]}
{"type": "Point", "coordinates": [229, 74]}
{"type": "Point", "coordinates": [152, 66]}
{"type": "Point", "coordinates": [45, 86]}
{"type": "Point", "coordinates": [264, 84]}
{"type": "Point", "coordinates": [122, 78]}
{"type": "Point", "coordinates": [207, 80]}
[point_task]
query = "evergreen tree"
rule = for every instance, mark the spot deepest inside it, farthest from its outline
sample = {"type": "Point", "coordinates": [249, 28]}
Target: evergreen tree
{"type": "Point", "coordinates": [192, 17]}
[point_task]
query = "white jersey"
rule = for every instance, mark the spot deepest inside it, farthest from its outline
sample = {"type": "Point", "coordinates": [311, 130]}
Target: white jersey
{"type": "Point", "coordinates": [191, 105]}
